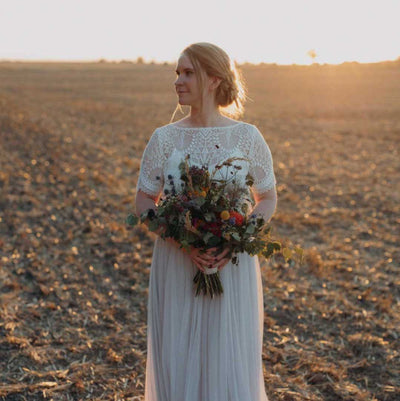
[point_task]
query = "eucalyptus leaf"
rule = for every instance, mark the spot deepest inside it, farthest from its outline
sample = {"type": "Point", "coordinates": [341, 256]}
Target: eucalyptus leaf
{"type": "Point", "coordinates": [153, 225]}
{"type": "Point", "coordinates": [287, 253]}
{"type": "Point", "coordinates": [250, 229]}
{"type": "Point", "coordinates": [270, 247]}
{"type": "Point", "coordinates": [132, 220]}
{"type": "Point", "coordinates": [268, 253]}
{"type": "Point", "coordinates": [199, 201]}
{"type": "Point", "coordinates": [209, 216]}
{"type": "Point", "coordinates": [277, 245]}
{"type": "Point", "coordinates": [236, 236]}
{"type": "Point", "coordinates": [207, 237]}
{"type": "Point", "coordinates": [299, 251]}
{"type": "Point", "coordinates": [214, 241]}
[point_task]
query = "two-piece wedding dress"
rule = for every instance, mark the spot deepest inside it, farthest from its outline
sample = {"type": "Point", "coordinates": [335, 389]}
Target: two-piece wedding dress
{"type": "Point", "coordinates": [198, 348]}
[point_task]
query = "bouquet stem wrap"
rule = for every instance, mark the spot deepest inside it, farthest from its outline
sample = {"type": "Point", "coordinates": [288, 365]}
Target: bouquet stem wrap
{"type": "Point", "coordinates": [210, 270]}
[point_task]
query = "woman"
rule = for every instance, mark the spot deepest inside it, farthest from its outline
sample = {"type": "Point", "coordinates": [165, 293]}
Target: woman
{"type": "Point", "coordinates": [201, 348]}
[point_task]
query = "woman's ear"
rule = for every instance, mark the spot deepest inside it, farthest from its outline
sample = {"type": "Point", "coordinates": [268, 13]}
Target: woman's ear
{"type": "Point", "coordinates": [214, 83]}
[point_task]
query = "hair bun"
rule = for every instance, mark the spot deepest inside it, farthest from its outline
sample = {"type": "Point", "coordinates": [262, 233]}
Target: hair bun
{"type": "Point", "coordinates": [227, 92]}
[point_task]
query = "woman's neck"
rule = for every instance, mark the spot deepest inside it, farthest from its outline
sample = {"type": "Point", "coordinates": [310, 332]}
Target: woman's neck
{"type": "Point", "coordinates": [208, 117]}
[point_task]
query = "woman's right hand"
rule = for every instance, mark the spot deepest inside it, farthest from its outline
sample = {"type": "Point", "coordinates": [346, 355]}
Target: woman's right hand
{"type": "Point", "coordinates": [202, 258]}
{"type": "Point", "coordinates": [199, 256]}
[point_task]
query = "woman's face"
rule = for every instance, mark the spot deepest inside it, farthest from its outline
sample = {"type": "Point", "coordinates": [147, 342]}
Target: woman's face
{"type": "Point", "coordinates": [186, 85]}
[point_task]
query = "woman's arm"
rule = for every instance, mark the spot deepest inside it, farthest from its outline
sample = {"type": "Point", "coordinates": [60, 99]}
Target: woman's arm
{"type": "Point", "coordinates": [265, 204]}
{"type": "Point", "coordinates": [144, 202]}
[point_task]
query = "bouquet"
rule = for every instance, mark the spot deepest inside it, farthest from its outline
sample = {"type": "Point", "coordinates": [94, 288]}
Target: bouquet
{"type": "Point", "coordinates": [210, 212]}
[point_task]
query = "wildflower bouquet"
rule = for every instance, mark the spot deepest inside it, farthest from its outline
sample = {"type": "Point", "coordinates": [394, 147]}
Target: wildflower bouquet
{"type": "Point", "coordinates": [208, 212]}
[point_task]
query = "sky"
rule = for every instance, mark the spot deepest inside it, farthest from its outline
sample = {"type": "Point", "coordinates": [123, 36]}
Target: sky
{"type": "Point", "coordinates": [280, 31]}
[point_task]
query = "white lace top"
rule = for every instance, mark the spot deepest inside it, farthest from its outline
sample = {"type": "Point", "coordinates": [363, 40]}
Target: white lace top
{"type": "Point", "coordinates": [207, 146]}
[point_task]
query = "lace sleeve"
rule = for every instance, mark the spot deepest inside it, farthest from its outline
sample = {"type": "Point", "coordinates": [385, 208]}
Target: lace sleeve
{"type": "Point", "coordinates": [151, 167]}
{"type": "Point", "coordinates": [261, 164]}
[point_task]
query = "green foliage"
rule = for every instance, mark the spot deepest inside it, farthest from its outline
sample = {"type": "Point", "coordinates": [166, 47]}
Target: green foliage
{"type": "Point", "coordinates": [193, 217]}
{"type": "Point", "coordinates": [132, 220]}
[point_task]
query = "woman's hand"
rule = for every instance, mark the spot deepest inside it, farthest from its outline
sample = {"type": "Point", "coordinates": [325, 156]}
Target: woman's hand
{"type": "Point", "coordinates": [222, 259]}
{"type": "Point", "coordinates": [209, 259]}
{"type": "Point", "coordinates": [199, 257]}
{"type": "Point", "coordinates": [202, 258]}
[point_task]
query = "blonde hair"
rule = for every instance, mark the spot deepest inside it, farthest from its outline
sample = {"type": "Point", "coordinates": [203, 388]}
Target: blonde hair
{"type": "Point", "coordinates": [210, 59]}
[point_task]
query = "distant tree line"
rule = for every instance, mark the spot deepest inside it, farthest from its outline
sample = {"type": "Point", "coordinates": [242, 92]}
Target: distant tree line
{"type": "Point", "coordinates": [311, 53]}
{"type": "Point", "coordinates": [138, 61]}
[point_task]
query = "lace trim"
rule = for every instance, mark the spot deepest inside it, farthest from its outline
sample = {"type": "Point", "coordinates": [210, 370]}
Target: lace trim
{"type": "Point", "coordinates": [206, 146]}
{"type": "Point", "coordinates": [206, 128]}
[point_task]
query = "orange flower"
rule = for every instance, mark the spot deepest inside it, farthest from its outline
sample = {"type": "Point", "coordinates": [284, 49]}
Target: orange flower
{"type": "Point", "coordinates": [225, 215]}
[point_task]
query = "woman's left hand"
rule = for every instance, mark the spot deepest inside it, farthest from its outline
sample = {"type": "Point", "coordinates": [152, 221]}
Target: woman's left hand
{"type": "Point", "coordinates": [222, 259]}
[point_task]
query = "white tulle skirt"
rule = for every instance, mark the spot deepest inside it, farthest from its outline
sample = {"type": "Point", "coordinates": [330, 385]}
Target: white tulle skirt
{"type": "Point", "coordinates": [198, 348]}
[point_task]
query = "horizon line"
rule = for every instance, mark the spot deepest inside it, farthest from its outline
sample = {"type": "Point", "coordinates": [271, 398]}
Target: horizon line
{"type": "Point", "coordinates": [164, 62]}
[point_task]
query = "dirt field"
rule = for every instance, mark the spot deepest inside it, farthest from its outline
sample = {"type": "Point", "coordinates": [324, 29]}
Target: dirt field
{"type": "Point", "coordinates": [74, 276]}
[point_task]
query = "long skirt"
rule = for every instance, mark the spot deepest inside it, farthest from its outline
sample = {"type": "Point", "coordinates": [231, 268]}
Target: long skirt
{"type": "Point", "coordinates": [201, 348]}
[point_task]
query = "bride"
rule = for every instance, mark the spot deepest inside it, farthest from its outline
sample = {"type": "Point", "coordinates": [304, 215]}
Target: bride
{"type": "Point", "coordinates": [198, 348]}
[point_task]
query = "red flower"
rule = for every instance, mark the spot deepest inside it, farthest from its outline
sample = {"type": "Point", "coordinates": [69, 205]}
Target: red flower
{"type": "Point", "coordinates": [238, 217]}
{"type": "Point", "coordinates": [213, 227]}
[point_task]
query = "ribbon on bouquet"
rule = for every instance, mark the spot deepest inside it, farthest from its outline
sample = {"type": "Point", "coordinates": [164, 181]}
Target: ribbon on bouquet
{"type": "Point", "coordinates": [210, 270]}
